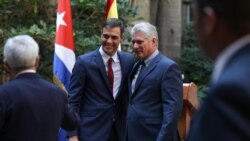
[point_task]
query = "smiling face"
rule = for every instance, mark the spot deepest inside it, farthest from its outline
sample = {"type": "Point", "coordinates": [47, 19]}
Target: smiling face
{"type": "Point", "coordinates": [142, 46]}
{"type": "Point", "coordinates": [111, 38]}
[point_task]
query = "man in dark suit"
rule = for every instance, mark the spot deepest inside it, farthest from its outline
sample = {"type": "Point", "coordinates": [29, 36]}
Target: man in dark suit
{"type": "Point", "coordinates": [155, 97]}
{"type": "Point", "coordinates": [223, 29]}
{"type": "Point", "coordinates": [98, 88]}
{"type": "Point", "coordinates": [31, 108]}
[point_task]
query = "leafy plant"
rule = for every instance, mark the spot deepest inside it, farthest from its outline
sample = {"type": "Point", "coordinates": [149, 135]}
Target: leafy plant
{"type": "Point", "coordinates": [43, 34]}
{"type": "Point", "coordinates": [33, 17]}
{"type": "Point", "coordinates": [195, 66]}
{"type": "Point", "coordinates": [88, 17]}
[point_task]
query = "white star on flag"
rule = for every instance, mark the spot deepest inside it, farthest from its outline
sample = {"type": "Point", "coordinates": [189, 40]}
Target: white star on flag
{"type": "Point", "coordinates": [59, 20]}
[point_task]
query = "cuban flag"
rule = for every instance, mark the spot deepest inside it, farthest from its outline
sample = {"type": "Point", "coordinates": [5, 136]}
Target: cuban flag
{"type": "Point", "coordinates": [64, 56]}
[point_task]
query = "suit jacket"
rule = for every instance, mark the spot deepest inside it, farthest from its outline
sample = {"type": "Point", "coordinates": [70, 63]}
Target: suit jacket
{"type": "Point", "coordinates": [92, 98]}
{"type": "Point", "coordinates": [32, 109]}
{"type": "Point", "coordinates": [225, 113]}
{"type": "Point", "coordinates": [156, 103]}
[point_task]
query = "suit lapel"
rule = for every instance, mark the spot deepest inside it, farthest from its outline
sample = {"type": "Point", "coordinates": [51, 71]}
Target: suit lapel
{"type": "Point", "coordinates": [100, 65]}
{"type": "Point", "coordinates": [131, 76]}
{"type": "Point", "coordinates": [123, 70]}
{"type": "Point", "coordinates": [146, 71]}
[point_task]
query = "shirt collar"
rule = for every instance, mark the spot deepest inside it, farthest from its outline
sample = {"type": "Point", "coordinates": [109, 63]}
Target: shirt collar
{"type": "Point", "coordinates": [224, 57]}
{"type": "Point", "coordinates": [106, 56]}
{"type": "Point", "coordinates": [151, 57]}
{"type": "Point", "coordinates": [26, 71]}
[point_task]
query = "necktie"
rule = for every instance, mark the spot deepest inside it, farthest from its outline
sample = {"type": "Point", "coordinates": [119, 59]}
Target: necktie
{"type": "Point", "coordinates": [110, 74]}
{"type": "Point", "coordinates": [138, 71]}
{"type": "Point", "coordinates": [142, 66]}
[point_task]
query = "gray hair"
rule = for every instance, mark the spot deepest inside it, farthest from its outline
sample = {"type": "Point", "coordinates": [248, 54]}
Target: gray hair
{"type": "Point", "coordinates": [148, 29]}
{"type": "Point", "coordinates": [20, 51]}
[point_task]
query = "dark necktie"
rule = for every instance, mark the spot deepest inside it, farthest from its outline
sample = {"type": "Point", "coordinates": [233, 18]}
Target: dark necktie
{"type": "Point", "coordinates": [110, 74]}
{"type": "Point", "coordinates": [142, 65]}
{"type": "Point", "coordinates": [138, 69]}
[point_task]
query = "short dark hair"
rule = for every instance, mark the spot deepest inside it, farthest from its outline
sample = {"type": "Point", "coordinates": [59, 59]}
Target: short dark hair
{"type": "Point", "coordinates": [235, 14]}
{"type": "Point", "coordinates": [114, 22]}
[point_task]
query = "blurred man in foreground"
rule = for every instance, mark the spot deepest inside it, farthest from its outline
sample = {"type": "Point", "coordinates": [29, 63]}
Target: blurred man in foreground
{"type": "Point", "coordinates": [223, 29]}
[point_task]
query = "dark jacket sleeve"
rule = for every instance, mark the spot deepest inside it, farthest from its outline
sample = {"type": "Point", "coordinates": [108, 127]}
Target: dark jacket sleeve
{"type": "Point", "coordinates": [71, 119]}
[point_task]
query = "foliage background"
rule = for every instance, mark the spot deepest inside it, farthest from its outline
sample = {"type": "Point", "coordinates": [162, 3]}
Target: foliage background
{"type": "Point", "coordinates": [38, 19]}
{"type": "Point", "coordinates": [196, 67]}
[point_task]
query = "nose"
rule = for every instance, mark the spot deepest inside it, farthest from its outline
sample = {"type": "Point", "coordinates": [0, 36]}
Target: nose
{"type": "Point", "coordinates": [135, 45]}
{"type": "Point", "coordinates": [109, 40]}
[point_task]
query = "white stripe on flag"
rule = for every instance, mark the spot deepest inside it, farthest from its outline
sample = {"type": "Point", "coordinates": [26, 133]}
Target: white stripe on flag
{"type": "Point", "coordinates": [66, 55]}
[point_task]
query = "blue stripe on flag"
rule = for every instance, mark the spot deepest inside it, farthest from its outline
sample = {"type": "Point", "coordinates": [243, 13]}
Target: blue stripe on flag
{"type": "Point", "coordinates": [61, 71]}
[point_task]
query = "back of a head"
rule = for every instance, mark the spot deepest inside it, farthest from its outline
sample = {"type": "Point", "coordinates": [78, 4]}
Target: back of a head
{"type": "Point", "coordinates": [234, 14]}
{"type": "Point", "coordinates": [20, 51]}
{"type": "Point", "coordinates": [148, 29]}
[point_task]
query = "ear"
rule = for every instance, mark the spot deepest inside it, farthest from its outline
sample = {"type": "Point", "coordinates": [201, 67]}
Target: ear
{"type": "Point", "coordinates": [7, 67]}
{"type": "Point", "coordinates": [155, 41]}
{"type": "Point", "coordinates": [210, 20]}
{"type": "Point", "coordinates": [121, 40]}
{"type": "Point", "coordinates": [37, 63]}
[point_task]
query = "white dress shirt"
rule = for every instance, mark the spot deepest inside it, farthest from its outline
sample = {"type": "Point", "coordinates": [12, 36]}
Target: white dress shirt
{"type": "Point", "coordinates": [116, 69]}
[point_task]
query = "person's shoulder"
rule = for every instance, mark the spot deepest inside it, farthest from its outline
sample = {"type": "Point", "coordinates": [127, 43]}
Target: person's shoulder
{"type": "Point", "coordinates": [3, 87]}
{"type": "Point", "coordinates": [229, 90]}
{"type": "Point", "coordinates": [9, 85]}
{"type": "Point", "coordinates": [52, 86]}
{"type": "Point", "coordinates": [9, 89]}
{"type": "Point", "coordinates": [2, 94]}
{"type": "Point", "coordinates": [52, 91]}
{"type": "Point", "coordinates": [237, 70]}
{"type": "Point", "coordinates": [88, 55]}
{"type": "Point", "coordinates": [166, 60]}
{"type": "Point", "coordinates": [126, 54]}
